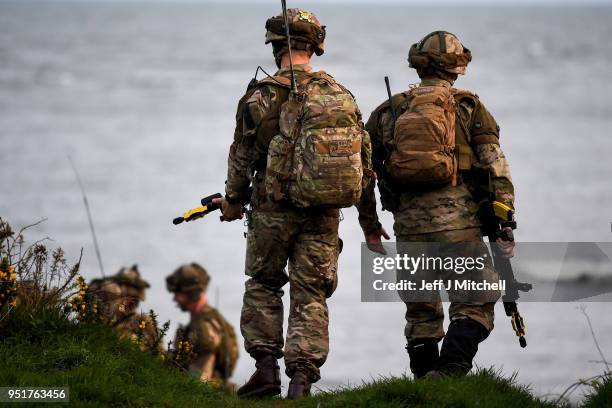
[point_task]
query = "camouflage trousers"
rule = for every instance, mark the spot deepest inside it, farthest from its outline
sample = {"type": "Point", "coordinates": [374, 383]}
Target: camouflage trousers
{"type": "Point", "coordinates": [309, 242]}
{"type": "Point", "coordinates": [425, 315]}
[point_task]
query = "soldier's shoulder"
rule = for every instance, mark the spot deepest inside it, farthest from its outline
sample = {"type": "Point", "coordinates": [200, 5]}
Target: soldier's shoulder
{"type": "Point", "coordinates": [330, 78]}
{"type": "Point", "coordinates": [464, 92]}
{"type": "Point", "coordinates": [465, 95]}
{"type": "Point", "coordinates": [270, 83]}
{"type": "Point", "coordinates": [208, 315]}
{"type": "Point", "coordinates": [264, 89]}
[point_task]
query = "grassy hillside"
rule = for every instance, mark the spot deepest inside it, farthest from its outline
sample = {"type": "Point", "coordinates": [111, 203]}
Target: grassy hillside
{"type": "Point", "coordinates": [101, 370]}
{"type": "Point", "coordinates": [51, 335]}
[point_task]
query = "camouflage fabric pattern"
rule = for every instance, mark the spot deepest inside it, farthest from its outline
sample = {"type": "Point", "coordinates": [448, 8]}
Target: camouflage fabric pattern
{"type": "Point", "coordinates": [425, 318]}
{"type": "Point", "coordinates": [130, 280]}
{"type": "Point", "coordinates": [248, 152]}
{"type": "Point", "coordinates": [315, 160]}
{"type": "Point", "coordinates": [108, 295]}
{"type": "Point", "coordinates": [186, 278]}
{"type": "Point", "coordinates": [310, 243]}
{"type": "Point", "coordinates": [280, 233]}
{"type": "Point", "coordinates": [244, 155]}
{"type": "Point", "coordinates": [140, 328]}
{"type": "Point", "coordinates": [119, 296]}
{"type": "Point", "coordinates": [447, 208]}
{"type": "Point", "coordinates": [440, 50]}
{"type": "Point", "coordinates": [304, 27]}
{"type": "Point", "coordinates": [208, 338]}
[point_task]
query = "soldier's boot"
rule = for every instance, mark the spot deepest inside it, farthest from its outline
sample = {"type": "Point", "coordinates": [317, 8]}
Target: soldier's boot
{"type": "Point", "coordinates": [265, 382]}
{"type": "Point", "coordinates": [299, 386]}
{"type": "Point", "coordinates": [423, 355]}
{"type": "Point", "coordinates": [459, 348]}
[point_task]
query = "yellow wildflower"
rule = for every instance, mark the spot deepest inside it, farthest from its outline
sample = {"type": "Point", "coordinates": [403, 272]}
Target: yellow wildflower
{"type": "Point", "coordinates": [142, 324]}
{"type": "Point", "coordinates": [13, 277]}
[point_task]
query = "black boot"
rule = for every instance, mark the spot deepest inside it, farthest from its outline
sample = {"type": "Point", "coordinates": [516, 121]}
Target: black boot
{"type": "Point", "coordinates": [423, 355]}
{"type": "Point", "coordinates": [459, 347]}
{"type": "Point", "coordinates": [265, 382]}
{"type": "Point", "coordinates": [299, 385]}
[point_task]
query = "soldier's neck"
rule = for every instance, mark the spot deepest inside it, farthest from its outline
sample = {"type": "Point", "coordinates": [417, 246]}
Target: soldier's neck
{"type": "Point", "coordinates": [198, 307]}
{"type": "Point", "coordinates": [296, 58]}
{"type": "Point", "coordinates": [435, 81]}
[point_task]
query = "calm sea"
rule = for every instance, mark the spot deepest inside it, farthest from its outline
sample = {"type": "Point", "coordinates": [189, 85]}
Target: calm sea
{"type": "Point", "coordinates": [143, 97]}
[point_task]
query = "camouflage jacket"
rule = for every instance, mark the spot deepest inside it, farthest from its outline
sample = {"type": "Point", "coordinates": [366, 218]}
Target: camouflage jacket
{"type": "Point", "coordinates": [446, 208]}
{"type": "Point", "coordinates": [256, 124]}
{"type": "Point", "coordinates": [206, 334]}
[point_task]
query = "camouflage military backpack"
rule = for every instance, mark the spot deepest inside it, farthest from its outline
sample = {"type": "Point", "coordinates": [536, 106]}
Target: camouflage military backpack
{"type": "Point", "coordinates": [316, 159]}
{"type": "Point", "coordinates": [424, 139]}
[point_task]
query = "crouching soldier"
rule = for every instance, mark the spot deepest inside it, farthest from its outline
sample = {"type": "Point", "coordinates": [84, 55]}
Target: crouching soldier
{"type": "Point", "coordinates": [214, 349]}
{"type": "Point", "coordinates": [120, 295]}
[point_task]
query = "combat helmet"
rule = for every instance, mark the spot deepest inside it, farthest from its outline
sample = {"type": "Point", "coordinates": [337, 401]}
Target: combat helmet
{"type": "Point", "coordinates": [306, 32]}
{"type": "Point", "coordinates": [188, 278]}
{"type": "Point", "coordinates": [131, 282]}
{"type": "Point", "coordinates": [440, 50]}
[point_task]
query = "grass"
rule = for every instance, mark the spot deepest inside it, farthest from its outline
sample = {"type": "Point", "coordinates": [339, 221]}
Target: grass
{"type": "Point", "coordinates": [43, 344]}
{"type": "Point", "coordinates": [101, 371]}
{"type": "Point", "coordinates": [601, 395]}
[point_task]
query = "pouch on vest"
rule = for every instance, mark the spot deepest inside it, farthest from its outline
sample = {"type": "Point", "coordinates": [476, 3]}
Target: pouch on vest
{"type": "Point", "coordinates": [424, 140]}
{"type": "Point", "coordinates": [316, 159]}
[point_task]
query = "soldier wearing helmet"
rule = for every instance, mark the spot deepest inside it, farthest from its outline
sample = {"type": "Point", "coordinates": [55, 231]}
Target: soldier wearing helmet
{"type": "Point", "coordinates": [214, 350]}
{"type": "Point", "coordinates": [120, 296]}
{"type": "Point", "coordinates": [434, 212]}
{"type": "Point", "coordinates": [280, 232]}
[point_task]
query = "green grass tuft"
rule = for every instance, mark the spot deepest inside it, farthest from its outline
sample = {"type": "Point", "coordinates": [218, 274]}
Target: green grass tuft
{"type": "Point", "coordinates": [601, 395]}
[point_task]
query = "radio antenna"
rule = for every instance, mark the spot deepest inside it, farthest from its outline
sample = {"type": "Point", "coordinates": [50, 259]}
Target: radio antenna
{"type": "Point", "coordinates": [288, 35]}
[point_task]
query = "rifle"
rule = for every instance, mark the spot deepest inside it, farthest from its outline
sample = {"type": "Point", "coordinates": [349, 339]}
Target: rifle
{"type": "Point", "coordinates": [195, 213]}
{"type": "Point", "coordinates": [207, 207]}
{"type": "Point", "coordinates": [389, 198]}
{"type": "Point", "coordinates": [288, 34]}
{"type": "Point", "coordinates": [495, 217]}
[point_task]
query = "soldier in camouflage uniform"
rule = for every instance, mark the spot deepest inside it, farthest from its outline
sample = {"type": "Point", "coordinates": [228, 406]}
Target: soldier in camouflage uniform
{"type": "Point", "coordinates": [445, 214]}
{"type": "Point", "coordinates": [279, 232]}
{"type": "Point", "coordinates": [214, 350]}
{"type": "Point", "coordinates": [120, 296]}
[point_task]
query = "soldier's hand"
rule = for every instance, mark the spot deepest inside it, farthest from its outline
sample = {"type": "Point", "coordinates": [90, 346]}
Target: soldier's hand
{"type": "Point", "coordinates": [230, 212]}
{"type": "Point", "coordinates": [374, 242]}
{"type": "Point", "coordinates": [506, 247]}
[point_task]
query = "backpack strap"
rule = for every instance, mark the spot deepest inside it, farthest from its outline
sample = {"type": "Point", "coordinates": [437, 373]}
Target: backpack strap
{"type": "Point", "coordinates": [464, 140]}
{"type": "Point", "coordinates": [275, 80]}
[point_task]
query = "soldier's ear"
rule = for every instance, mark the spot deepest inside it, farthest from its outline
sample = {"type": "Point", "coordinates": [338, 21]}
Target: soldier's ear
{"type": "Point", "coordinates": [135, 267]}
